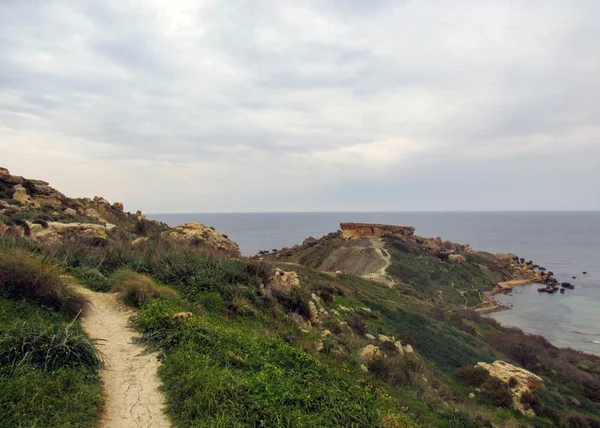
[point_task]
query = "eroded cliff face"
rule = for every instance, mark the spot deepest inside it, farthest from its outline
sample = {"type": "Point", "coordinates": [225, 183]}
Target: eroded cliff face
{"type": "Point", "coordinates": [374, 231]}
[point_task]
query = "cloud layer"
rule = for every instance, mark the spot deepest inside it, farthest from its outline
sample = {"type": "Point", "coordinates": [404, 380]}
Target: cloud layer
{"type": "Point", "coordinates": [188, 106]}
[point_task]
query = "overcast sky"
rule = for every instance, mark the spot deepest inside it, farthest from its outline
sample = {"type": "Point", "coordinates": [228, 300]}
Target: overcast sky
{"type": "Point", "coordinates": [324, 105]}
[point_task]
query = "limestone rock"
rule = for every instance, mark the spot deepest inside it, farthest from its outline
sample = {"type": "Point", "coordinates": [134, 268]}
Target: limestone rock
{"type": "Point", "coordinates": [20, 194]}
{"type": "Point", "coordinates": [399, 347]}
{"type": "Point", "coordinates": [101, 200]}
{"type": "Point", "coordinates": [525, 380]}
{"type": "Point", "coordinates": [56, 232]}
{"type": "Point", "coordinates": [315, 298]}
{"type": "Point", "coordinates": [320, 346]}
{"type": "Point", "coordinates": [457, 258]}
{"type": "Point", "coordinates": [182, 315]}
{"type": "Point", "coordinates": [313, 312]}
{"type": "Point", "coordinates": [370, 336]}
{"type": "Point", "coordinates": [198, 231]}
{"type": "Point", "coordinates": [92, 213]}
{"type": "Point", "coordinates": [384, 338]}
{"type": "Point", "coordinates": [70, 211]}
{"type": "Point", "coordinates": [374, 231]}
{"type": "Point", "coordinates": [369, 353]}
{"type": "Point", "coordinates": [284, 281]}
{"type": "Point", "coordinates": [118, 206]}
{"type": "Point", "coordinates": [408, 349]}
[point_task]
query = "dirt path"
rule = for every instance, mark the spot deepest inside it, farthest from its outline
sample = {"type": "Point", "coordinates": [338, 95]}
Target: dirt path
{"type": "Point", "coordinates": [130, 379]}
{"type": "Point", "coordinates": [381, 275]}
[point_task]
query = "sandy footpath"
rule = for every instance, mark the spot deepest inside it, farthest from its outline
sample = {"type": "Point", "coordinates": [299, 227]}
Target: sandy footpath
{"type": "Point", "coordinates": [130, 377]}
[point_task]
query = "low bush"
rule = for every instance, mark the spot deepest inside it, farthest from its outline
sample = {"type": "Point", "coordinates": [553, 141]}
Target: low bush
{"type": "Point", "coordinates": [47, 348]}
{"type": "Point", "coordinates": [136, 289]}
{"type": "Point", "coordinates": [22, 276]}
{"type": "Point", "coordinates": [473, 376]}
{"type": "Point", "coordinates": [357, 325]}
{"type": "Point", "coordinates": [497, 393]}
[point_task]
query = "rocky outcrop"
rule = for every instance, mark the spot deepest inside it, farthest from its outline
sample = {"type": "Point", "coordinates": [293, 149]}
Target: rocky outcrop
{"type": "Point", "coordinates": [201, 233]}
{"type": "Point", "coordinates": [374, 231]}
{"type": "Point", "coordinates": [284, 281]}
{"type": "Point", "coordinates": [523, 380]}
{"type": "Point", "coordinates": [369, 353]}
{"type": "Point", "coordinates": [55, 232]}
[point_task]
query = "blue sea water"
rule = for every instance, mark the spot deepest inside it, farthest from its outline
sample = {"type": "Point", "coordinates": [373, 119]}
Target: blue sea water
{"type": "Point", "coordinates": [566, 243]}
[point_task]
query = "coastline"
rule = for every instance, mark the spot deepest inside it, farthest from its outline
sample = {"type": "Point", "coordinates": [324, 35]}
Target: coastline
{"type": "Point", "coordinates": [489, 305]}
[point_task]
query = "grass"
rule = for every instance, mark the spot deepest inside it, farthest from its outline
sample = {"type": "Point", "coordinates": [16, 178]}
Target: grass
{"type": "Point", "coordinates": [49, 373]}
{"type": "Point", "coordinates": [138, 290]}
{"type": "Point", "coordinates": [24, 277]}
{"type": "Point", "coordinates": [217, 374]}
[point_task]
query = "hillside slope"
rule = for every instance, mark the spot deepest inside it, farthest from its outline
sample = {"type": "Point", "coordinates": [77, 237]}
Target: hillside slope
{"type": "Point", "coordinates": [306, 336]}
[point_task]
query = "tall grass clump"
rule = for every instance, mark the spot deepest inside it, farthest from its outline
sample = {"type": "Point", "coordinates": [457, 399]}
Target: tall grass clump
{"type": "Point", "coordinates": [24, 277]}
{"type": "Point", "coordinates": [137, 290]}
{"type": "Point", "coordinates": [47, 347]}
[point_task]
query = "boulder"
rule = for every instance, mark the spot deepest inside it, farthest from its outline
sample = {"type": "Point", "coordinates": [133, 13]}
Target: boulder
{"type": "Point", "coordinates": [118, 206]}
{"type": "Point", "coordinates": [457, 258]}
{"type": "Point", "coordinates": [182, 315]}
{"type": "Point", "coordinates": [369, 353]}
{"type": "Point", "coordinates": [197, 231]}
{"type": "Point", "coordinates": [524, 380]}
{"type": "Point", "coordinates": [20, 195]}
{"type": "Point", "coordinates": [100, 200]}
{"type": "Point", "coordinates": [70, 212]}
{"type": "Point", "coordinates": [93, 214]}
{"type": "Point", "coordinates": [313, 311]}
{"type": "Point", "coordinates": [284, 281]}
{"type": "Point", "coordinates": [408, 349]}
{"type": "Point", "coordinates": [370, 336]}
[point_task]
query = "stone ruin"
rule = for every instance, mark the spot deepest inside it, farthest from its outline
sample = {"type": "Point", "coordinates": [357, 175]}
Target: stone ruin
{"type": "Point", "coordinates": [374, 231]}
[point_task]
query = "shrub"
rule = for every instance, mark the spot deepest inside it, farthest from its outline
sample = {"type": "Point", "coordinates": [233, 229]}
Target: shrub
{"type": "Point", "coordinates": [136, 289]}
{"type": "Point", "coordinates": [473, 376]}
{"type": "Point", "coordinates": [47, 348]}
{"type": "Point", "coordinates": [211, 300]}
{"type": "Point", "coordinates": [407, 338]}
{"type": "Point", "coordinates": [357, 325]}
{"type": "Point", "coordinates": [497, 392]}
{"type": "Point", "coordinates": [512, 382]}
{"type": "Point", "coordinates": [25, 277]}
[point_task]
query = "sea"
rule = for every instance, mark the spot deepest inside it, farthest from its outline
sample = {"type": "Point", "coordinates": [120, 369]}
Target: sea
{"type": "Point", "coordinates": [566, 243]}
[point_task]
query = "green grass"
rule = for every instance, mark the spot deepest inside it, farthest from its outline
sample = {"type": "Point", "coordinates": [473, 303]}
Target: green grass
{"type": "Point", "coordinates": [63, 390]}
{"type": "Point", "coordinates": [217, 373]}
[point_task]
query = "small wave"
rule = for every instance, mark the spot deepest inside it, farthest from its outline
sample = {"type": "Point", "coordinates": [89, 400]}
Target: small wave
{"type": "Point", "coordinates": [597, 342]}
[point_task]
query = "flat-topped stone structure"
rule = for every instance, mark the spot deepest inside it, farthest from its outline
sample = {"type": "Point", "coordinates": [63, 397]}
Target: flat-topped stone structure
{"type": "Point", "coordinates": [369, 230]}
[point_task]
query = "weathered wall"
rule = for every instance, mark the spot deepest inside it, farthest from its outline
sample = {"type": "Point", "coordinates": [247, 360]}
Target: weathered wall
{"type": "Point", "coordinates": [368, 230]}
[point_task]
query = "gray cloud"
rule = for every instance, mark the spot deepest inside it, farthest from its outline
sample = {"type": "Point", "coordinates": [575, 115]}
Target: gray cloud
{"type": "Point", "coordinates": [267, 105]}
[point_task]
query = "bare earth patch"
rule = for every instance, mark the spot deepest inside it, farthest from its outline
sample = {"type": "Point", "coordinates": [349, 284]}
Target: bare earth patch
{"type": "Point", "coordinates": [131, 384]}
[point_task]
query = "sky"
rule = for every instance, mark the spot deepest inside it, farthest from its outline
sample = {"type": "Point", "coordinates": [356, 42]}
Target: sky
{"type": "Point", "coordinates": [308, 105]}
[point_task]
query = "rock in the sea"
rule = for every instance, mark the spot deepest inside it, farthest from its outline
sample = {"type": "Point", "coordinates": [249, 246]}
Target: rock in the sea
{"type": "Point", "coordinates": [567, 285]}
{"type": "Point", "coordinates": [191, 232]}
{"type": "Point", "coordinates": [524, 380]}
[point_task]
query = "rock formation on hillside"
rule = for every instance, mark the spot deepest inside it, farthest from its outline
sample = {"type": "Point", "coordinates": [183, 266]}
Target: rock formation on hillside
{"type": "Point", "coordinates": [208, 235]}
{"type": "Point", "coordinates": [519, 380]}
{"type": "Point", "coordinates": [374, 231]}
{"type": "Point", "coordinates": [33, 209]}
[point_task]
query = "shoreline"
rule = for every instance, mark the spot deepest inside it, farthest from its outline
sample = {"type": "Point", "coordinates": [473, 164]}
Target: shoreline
{"type": "Point", "coordinates": [489, 305]}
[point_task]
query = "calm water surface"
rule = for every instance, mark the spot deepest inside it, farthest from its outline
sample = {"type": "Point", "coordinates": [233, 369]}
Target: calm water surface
{"type": "Point", "coordinates": [566, 243]}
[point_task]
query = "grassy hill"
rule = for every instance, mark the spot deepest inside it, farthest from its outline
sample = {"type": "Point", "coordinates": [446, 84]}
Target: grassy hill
{"type": "Point", "coordinates": [280, 342]}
